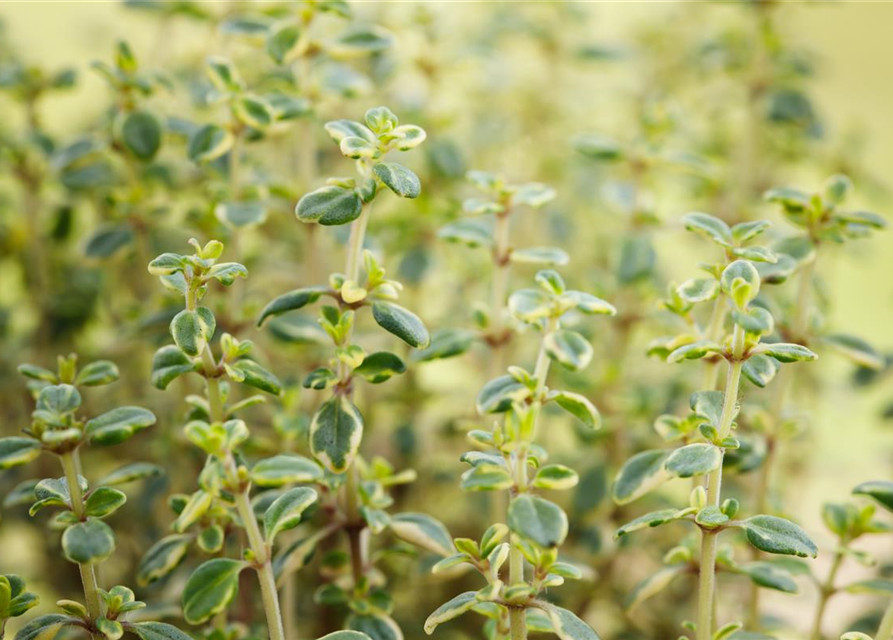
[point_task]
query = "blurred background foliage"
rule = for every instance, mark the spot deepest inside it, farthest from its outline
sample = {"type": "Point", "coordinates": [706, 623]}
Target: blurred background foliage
{"type": "Point", "coordinates": [681, 107]}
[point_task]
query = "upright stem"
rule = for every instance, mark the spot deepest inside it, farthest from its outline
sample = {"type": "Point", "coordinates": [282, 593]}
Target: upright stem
{"type": "Point", "coordinates": [517, 615]}
{"type": "Point", "coordinates": [88, 574]}
{"type": "Point", "coordinates": [825, 592]}
{"type": "Point", "coordinates": [711, 371]}
{"type": "Point", "coordinates": [355, 243]}
{"type": "Point", "coordinates": [707, 572]}
{"type": "Point", "coordinates": [500, 288]}
{"type": "Point", "coordinates": [263, 565]}
{"type": "Point", "coordinates": [886, 629]}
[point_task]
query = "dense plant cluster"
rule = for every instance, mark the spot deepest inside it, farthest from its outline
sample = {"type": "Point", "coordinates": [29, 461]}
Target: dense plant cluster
{"type": "Point", "coordinates": [293, 476]}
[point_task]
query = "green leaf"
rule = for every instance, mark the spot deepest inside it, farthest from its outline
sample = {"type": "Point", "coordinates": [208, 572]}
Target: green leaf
{"type": "Point", "coordinates": [140, 132]}
{"type": "Point", "coordinates": [168, 364]}
{"type": "Point", "coordinates": [210, 589]}
{"type": "Point", "coordinates": [537, 520]}
{"type": "Point", "coordinates": [698, 290]}
{"type": "Point", "coordinates": [785, 352]}
{"type": "Point", "coordinates": [874, 586]}
{"type": "Point", "coordinates": [37, 373]}
{"type": "Point", "coordinates": [97, 373]}
{"type": "Point", "coordinates": [757, 321]}
{"type": "Point", "coordinates": [694, 351]}
{"type": "Point", "coordinates": [238, 215]}
{"type": "Point", "coordinates": [741, 282]}
{"type": "Point", "coordinates": [345, 635]}
{"type": "Point", "coordinates": [104, 501]}
{"type": "Point", "coordinates": [551, 256]}
{"type": "Point", "coordinates": [408, 136]}
{"type": "Point", "coordinates": [744, 231]}
{"type": "Point", "coordinates": [423, 531]}
{"type": "Point", "coordinates": [856, 349]}
{"type": "Point", "coordinates": [110, 629]}
{"type": "Point", "coordinates": [639, 475]}
{"type": "Point", "coordinates": [282, 43]}
{"type": "Point", "coordinates": [555, 476]}
{"type": "Point", "coordinates": [578, 406]}
{"type": "Point", "coordinates": [711, 517]}
{"type": "Point", "coordinates": [250, 373]}
{"type": "Point", "coordinates": [760, 369]}
{"type": "Point", "coordinates": [156, 631]}
{"type": "Point", "coordinates": [403, 323]}
{"type": "Point", "coordinates": [591, 305]}
{"type": "Point", "coordinates": [472, 233]}
{"type": "Point", "coordinates": [533, 194]}
{"type": "Point", "coordinates": [16, 451]}
{"type": "Point", "coordinates": [451, 610]}
{"type": "Point", "coordinates": [361, 40]}
{"type": "Point", "coordinates": [879, 490]}
{"type": "Point", "coordinates": [652, 585]}
{"type": "Point", "coordinates": [162, 558]}
{"type": "Point", "coordinates": [211, 539]}
{"type": "Point", "coordinates": [398, 179]}
{"type": "Point", "coordinates": [58, 399]}
{"type": "Point", "coordinates": [777, 535]}
{"type": "Point", "coordinates": [285, 512]}
{"type": "Point", "coordinates": [568, 348]}
{"type": "Point", "coordinates": [340, 129]}
{"type": "Point", "coordinates": [330, 206]}
{"type": "Point", "coordinates": [290, 301]}
{"type": "Point", "coordinates": [88, 542]}
{"type": "Point", "coordinates": [118, 425]}
{"type": "Point", "coordinates": [486, 477]}
{"type": "Point", "coordinates": [335, 434]}
{"type": "Point", "coordinates": [254, 111]}
{"type": "Point", "coordinates": [46, 627]}
{"type": "Point", "coordinates": [530, 305]}
{"type": "Point", "coordinates": [498, 395]}
{"type": "Point", "coordinates": [209, 143]}
{"type": "Point", "coordinates": [649, 520]}
{"type": "Point", "coordinates": [193, 510]}
{"type": "Point", "coordinates": [598, 147]}
{"type": "Point", "coordinates": [710, 227]}
{"type": "Point", "coordinates": [285, 469]}
{"type": "Point", "coordinates": [770, 576]}
{"type": "Point", "coordinates": [191, 330]}
{"type": "Point", "coordinates": [693, 460]}
{"type": "Point", "coordinates": [380, 366]}
{"type": "Point", "coordinates": [378, 626]}
{"type": "Point", "coordinates": [446, 343]}
{"type": "Point", "coordinates": [567, 625]}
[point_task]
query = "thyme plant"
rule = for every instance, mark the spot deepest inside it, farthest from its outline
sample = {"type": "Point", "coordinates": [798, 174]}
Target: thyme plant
{"type": "Point", "coordinates": [708, 433]}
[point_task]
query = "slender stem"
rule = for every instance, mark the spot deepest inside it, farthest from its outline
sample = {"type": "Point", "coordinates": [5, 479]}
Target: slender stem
{"type": "Point", "coordinates": [264, 567]}
{"type": "Point", "coordinates": [88, 572]}
{"type": "Point", "coordinates": [886, 629]}
{"type": "Point", "coordinates": [500, 288]}
{"type": "Point", "coordinates": [707, 572]}
{"type": "Point", "coordinates": [825, 592]}
{"type": "Point", "coordinates": [517, 615]}
{"type": "Point", "coordinates": [355, 243]}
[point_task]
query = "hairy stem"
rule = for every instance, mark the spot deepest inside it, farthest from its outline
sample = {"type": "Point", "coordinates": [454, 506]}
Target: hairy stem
{"type": "Point", "coordinates": [88, 573]}
{"type": "Point", "coordinates": [707, 572]}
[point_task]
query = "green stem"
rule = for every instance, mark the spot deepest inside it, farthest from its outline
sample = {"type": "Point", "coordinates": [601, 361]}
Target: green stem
{"type": "Point", "coordinates": [263, 565]}
{"type": "Point", "coordinates": [886, 629]}
{"type": "Point", "coordinates": [355, 243]}
{"type": "Point", "coordinates": [517, 615]}
{"type": "Point", "coordinates": [500, 288]}
{"type": "Point", "coordinates": [88, 573]}
{"type": "Point", "coordinates": [707, 572]}
{"type": "Point", "coordinates": [826, 591]}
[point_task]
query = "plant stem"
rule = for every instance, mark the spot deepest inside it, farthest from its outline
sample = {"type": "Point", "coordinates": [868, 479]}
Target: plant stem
{"type": "Point", "coordinates": [885, 630]}
{"type": "Point", "coordinates": [707, 572]}
{"type": "Point", "coordinates": [263, 565]}
{"type": "Point", "coordinates": [826, 590]}
{"type": "Point", "coordinates": [500, 288]}
{"type": "Point", "coordinates": [88, 573]}
{"type": "Point", "coordinates": [517, 615]}
{"type": "Point", "coordinates": [355, 243]}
